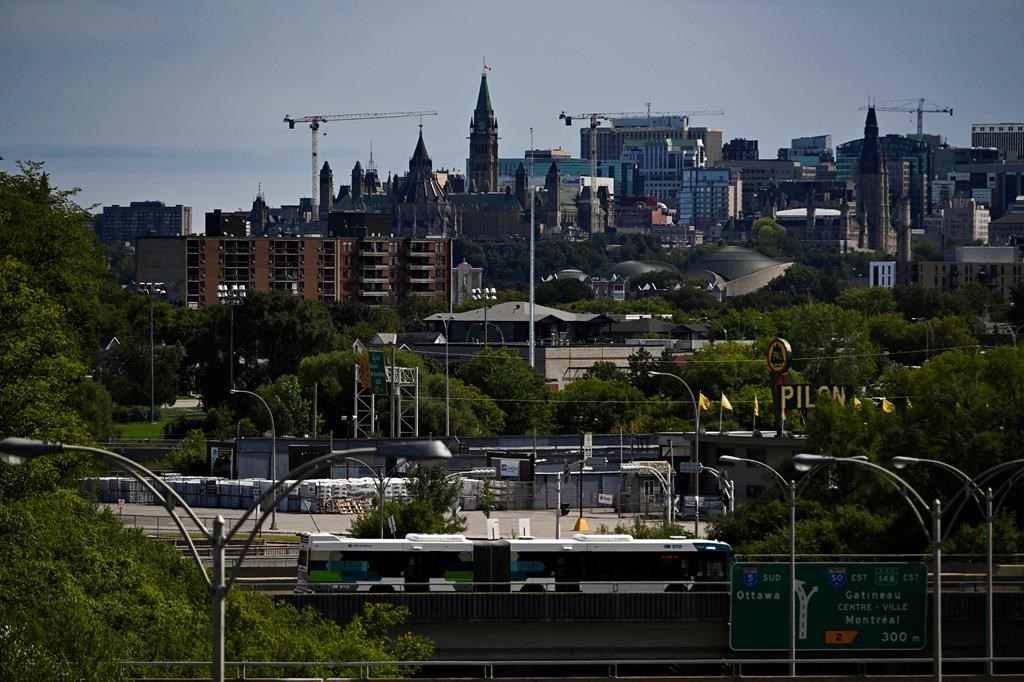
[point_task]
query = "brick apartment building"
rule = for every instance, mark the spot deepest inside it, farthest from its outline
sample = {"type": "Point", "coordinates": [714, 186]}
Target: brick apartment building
{"type": "Point", "coordinates": [370, 269]}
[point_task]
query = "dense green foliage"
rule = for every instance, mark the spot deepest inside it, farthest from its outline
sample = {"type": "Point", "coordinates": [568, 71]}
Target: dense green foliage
{"type": "Point", "coordinates": [79, 594]}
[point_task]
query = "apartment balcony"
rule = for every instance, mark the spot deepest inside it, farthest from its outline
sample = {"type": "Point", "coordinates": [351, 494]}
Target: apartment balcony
{"type": "Point", "coordinates": [422, 266]}
{"type": "Point", "coordinates": [422, 280]}
{"type": "Point", "coordinates": [375, 294]}
{"type": "Point", "coordinates": [372, 280]}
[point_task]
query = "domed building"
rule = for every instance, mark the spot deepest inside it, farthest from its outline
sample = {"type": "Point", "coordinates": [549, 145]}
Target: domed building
{"type": "Point", "coordinates": [735, 270]}
{"type": "Point", "coordinates": [628, 269]}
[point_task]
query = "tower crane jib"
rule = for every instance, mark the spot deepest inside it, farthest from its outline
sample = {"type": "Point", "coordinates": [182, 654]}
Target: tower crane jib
{"type": "Point", "coordinates": [315, 120]}
{"type": "Point", "coordinates": [911, 106]}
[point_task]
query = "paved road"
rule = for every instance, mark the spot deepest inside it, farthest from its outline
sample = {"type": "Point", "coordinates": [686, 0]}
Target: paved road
{"type": "Point", "coordinates": [542, 523]}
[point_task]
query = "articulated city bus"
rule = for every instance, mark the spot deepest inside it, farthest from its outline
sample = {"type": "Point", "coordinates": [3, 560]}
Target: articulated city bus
{"type": "Point", "coordinates": [589, 563]}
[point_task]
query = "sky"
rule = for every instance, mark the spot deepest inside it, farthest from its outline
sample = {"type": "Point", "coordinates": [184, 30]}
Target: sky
{"type": "Point", "coordinates": [183, 102]}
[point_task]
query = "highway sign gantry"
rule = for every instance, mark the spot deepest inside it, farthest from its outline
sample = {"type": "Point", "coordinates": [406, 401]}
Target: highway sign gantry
{"type": "Point", "coordinates": [839, 606]}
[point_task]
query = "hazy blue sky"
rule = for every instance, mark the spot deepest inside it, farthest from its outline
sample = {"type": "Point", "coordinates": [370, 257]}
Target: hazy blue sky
{"type": "Point", "coordinates": [183, 101]}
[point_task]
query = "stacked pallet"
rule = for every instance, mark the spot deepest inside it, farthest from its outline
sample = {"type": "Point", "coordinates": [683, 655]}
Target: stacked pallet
{"type": "Point", "coordinates": [332, 505]}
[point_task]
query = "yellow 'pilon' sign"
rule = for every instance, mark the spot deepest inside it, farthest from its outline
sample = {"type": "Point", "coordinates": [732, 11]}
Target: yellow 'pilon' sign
{"type": "Point", "coordinates": [802, 396]}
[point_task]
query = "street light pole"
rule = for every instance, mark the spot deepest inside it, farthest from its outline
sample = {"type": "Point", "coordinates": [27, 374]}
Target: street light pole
{"type": "Point", "coordinates": [152, 289]}
{"type": "Point", "coordinates": [273, 451]}
{"type": "Point", "coordinates": [447, 395]}
{"type": "Point", "coordinates": [696, 448]}
{"type": "Point", "coordinates": [790, 488]}
{"type": "Point", "coordinates": [486, 294]}
{"type": "Point", "coordinates": [805, 462]}
{"type": "Point", "coordinates": [16, 451]}
{"type": "Point", "coordinates": [928, 332]}
{"type": "Point", "coordinates": [971, 485]}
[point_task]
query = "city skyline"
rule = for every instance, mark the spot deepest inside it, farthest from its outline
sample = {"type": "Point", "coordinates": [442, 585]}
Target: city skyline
{"type": "Point", "coordinates": [184, 103]}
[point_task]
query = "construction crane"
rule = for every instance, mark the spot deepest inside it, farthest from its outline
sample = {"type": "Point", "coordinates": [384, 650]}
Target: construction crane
{"type": "Point", "coordinates": [912, 106]}
{"type": "Point", "coordinates": [595, 121]}
{"type": "Point", "coordinates": [314, 122]}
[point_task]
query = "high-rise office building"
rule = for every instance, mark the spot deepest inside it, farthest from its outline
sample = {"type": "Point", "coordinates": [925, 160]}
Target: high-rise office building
{"type": "Point", "coordinates": [1007, 138]}
{"type": "Point", "coordinates": [122, 224]}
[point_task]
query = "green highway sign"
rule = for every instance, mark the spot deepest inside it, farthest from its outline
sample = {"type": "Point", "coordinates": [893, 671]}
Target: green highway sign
{"type": "Point", "coordinates": [378, 373]}
{"type": "Point", "coordinates": [839, 606]}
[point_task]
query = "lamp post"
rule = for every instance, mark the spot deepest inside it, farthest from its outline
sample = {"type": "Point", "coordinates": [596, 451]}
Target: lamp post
{"type": "Point", "coordinates": [665, 486]}
{"type": "Point", "coordinates": [971, 485]}
{"type": "Point", "coordinates": [447, 394]}
{"type": "Point", "coordinates": [696, 448]}
{"type": "Point", "coordinates": [727, 487]}
{"type": "Point", "coordinates": [151, 289]}
{"type": "Point", "coordinates": [805, 462]}
{"type": "Point", "coordinates": [486, 294]}
{"type": "Point", "coordinates": [16, 451]}
{"type": "Point", "coordinates": [929, 332]}
{"type": "Point", "coordinates": [273, 450]}
{"type": "Point", "coordinates": [231, 296]}
{"type": "Point", "coordinates": [790, 488]}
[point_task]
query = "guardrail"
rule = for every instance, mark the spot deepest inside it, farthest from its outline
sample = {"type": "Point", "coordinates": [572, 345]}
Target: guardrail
{"type": "Point", "coordinates": [904, 669]}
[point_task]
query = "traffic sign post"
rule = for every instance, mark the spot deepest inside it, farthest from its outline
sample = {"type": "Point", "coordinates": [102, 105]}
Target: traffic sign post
{"type": "Point", "coordinates": [839, 606]}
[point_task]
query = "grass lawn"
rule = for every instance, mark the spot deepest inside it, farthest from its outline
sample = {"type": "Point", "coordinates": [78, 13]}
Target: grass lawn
{"type": "Point", "coordinates": [143, 429]}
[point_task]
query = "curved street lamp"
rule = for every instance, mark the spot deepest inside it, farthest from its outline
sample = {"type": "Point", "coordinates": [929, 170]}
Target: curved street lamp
{"type": "Point", "coordinates": [790, 488]}
{"type": "Point", "coordinates": [273, 449]}
{"type": "Point", "coordinates": [16, 451]}
{"type": "Point", "coordinates": [666, 488]}
{"type": "Point", "coordinates": [971, 485]}
{"type": "Point", "coordinates": [696, 446]}
{"type": "Point", "coordinates": [805, 462]}
{"type": "Point", "coordinates": [727, 487]}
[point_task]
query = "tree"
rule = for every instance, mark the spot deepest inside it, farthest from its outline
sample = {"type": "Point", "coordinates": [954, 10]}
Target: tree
{"type": "Point", "coordinates": [80, 594]}
{"type": "Point", "coordinates": [433, 497]}
{"type": "Point", "coordinates": [834, 347]}
{"type": "Point", "coordinates": [606, 405]}
{"type": "Point", "coordinates": [605, 370]}
{"type": "Point", "coordinates": [273, 332]}
{"type": "Point", "coordinates": [70, 268]}
{"type": "Point", "coordinates": [38, 363]}
{"type": "Point", "coordinates": [868, 302]}
{"type": "Point", "coordinates": [720, 368]}
{"type": "Point", "coordinates": [470, 411]}
{"type": "Point", "coordinates": [188, 457]}
{"type": "Point", "coordinates": [519, 390]}
{"type": "Point", "coordinates": [562, 291]}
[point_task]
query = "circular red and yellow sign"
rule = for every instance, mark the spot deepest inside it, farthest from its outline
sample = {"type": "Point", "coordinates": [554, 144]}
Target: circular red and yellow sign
{"type": "Point", "coordinates": [779, 355]}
